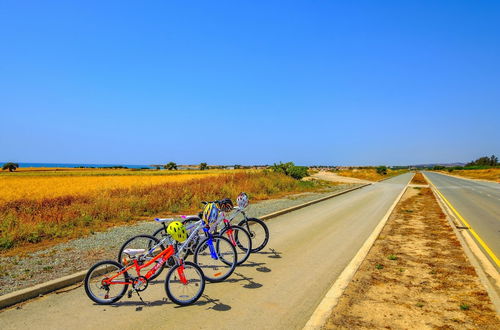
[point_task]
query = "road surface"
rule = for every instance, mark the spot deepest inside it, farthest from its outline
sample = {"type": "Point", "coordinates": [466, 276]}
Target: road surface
{"type": "Point", "coordinates": [278, 288]}
{"type": "Point", "coordinates": [476, 201]}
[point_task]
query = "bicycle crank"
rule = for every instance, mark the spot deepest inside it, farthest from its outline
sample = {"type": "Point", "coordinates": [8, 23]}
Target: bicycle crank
{"type": "Point", "coordinates": [140, 283]}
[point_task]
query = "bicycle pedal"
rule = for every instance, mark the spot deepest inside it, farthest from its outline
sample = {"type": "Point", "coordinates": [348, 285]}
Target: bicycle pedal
{"type": "Point", "coordinates": [129, 294]}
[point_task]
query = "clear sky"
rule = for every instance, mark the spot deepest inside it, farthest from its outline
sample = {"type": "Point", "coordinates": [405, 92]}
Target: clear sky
{"type": "Point", "coordinates": [249, 82]}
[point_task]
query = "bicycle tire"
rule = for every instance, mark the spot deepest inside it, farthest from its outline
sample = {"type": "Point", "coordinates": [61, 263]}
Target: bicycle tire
{"type": "Point", "coordinates": [160, 233]}
{"type": "Point", "coordinates": [243, 243]}
{"type": "Point", "coordinates": [87, 285]}
{"type": "Point", "coordinates": [202, 257]}
{"type": "Point", "coordinates": [153, 242]}
{"type": "Point", "coordinates": [198, 288]}
{"type": "Point", "coordinates": [257, 244]}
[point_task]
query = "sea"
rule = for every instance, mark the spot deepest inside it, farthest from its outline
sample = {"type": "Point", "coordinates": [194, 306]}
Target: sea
{"type": "Point", "coordinates": [72, 165]}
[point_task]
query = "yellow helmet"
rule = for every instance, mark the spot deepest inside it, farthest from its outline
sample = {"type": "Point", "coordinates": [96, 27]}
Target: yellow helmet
{"type": "Point", "coordinates": [210, 213]}
{"type": "Point", "coordinates": [177, 231]}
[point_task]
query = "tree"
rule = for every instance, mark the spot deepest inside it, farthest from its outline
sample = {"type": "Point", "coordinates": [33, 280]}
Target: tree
{"type": "Point", "coordinates": [170, 166]}
{"type": "Point", "coordinates": [382, 170]}
{"type": "Point", "coordinates": [237, 167]}
{"type": "Point", "coordinates": [485, 161]}
{"type": "Point", "coordinates": [156, 166]}
{"type": "Point", "coordinates": [296, 172]}
{"type": "Point", "coordinates": [203, 166]}
{"type": "Point", "coordinates": [10, 166]}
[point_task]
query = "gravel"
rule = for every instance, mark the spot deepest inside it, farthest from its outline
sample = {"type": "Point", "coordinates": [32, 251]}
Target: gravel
{"type": "Point", "coordinates": [18, 272]}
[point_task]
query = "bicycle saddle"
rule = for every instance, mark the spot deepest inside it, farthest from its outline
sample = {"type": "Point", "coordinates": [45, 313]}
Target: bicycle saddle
{"type": "Point", "coordinates": [134, 252]}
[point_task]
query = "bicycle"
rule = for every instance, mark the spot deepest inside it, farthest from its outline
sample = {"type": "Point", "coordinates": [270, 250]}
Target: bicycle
{"type": "Point", "coordinates": [256, 228]}
{"type": "Point", "coordinates": [214, 254]}
{"type": "Point", "coordinates": [237, 235]}
{"type": "Point", "coordinates": [184, 283]}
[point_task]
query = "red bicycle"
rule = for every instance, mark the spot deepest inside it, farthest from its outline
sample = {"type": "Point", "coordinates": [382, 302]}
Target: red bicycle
{"type": "Point", "coordinates": [107, 281]}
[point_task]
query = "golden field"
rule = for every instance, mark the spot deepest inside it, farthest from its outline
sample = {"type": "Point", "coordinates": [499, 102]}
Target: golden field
{"type": "Point", "coordinates": [369, 174]}
{"type": "Point", "coordinates": [14, 186]}
{"type": "Point", "coordinates": [492, 174]}
{"type": "Point", "coordinates": [48, 208]}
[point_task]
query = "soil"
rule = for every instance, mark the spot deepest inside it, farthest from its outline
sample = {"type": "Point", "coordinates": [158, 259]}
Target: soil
{"type": "Point", "coordinates": [418, 178]}
{"type": "Point", "coordinates": [329, 176]}
{"type": "Point", "coordinates": [415, 276]}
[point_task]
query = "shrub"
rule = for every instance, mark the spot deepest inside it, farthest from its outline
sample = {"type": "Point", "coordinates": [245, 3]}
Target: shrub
{"type": "Point", "coordinates": [296, 172]}
{"type": "Point", "coordinates": [382, 170]}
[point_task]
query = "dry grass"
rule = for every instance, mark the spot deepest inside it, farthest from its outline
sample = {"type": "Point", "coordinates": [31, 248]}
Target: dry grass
{"type": "Point", "coordinates": [492, 174]}
{"type": "Point", "coordinates": [418, 178]}
{"type": "Point", "coordinates": [34, 220]}
{"type": "Point", "coordinates": [369, 174]}
{"type": "Point", "coordinates": [416, 276]}
{"type": "Point", "coordinates": [50, 186]}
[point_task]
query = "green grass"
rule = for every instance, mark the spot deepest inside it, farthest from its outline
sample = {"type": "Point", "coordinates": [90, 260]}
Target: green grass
{"type": "Point", "coordinates": [464, 307]}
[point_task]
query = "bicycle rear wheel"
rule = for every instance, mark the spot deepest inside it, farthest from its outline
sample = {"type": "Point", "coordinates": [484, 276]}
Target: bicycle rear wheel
{"type": "Point", "coordinates": [216, 257]}
{"type": "Point", "coordinates": [241, 240]}
{"type": "Point", "coordinates": [145, 242]}
{"type": "Point", "coordinates": [185, 283]}
{"type": "Point", "coordinates": [101, 293]}
{"type": "Point", "coordinates": [258, 232]}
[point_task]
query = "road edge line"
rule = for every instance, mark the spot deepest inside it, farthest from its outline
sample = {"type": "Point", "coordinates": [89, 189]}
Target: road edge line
{"type": "Point", "coordinates": [471, 230]}
{"type": "Point", "coordinates": [483, 266]}
{"type": "Point", "coordinates": [325, 307]}
{"type": "Point", "coordinates": [21, 295]}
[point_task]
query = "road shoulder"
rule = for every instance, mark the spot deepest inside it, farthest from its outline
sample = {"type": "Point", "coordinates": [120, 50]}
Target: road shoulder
{"type": "Point", "coordinates": [415, 276]}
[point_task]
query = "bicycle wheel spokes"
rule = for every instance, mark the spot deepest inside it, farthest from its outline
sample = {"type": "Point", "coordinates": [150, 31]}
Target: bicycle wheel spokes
{"type": "Point", "coordinates": [222, 266]}
{"type": "Point", "coordinates": [141, 242]}
{"type": "Point", "coordinates": [98, 290]}
{"type": "Point", "coordinates": [258, 232]}
{"type": "Point", "coordinates": [185, 284]}
{"type": "Point", "coordinates": [241, 240]}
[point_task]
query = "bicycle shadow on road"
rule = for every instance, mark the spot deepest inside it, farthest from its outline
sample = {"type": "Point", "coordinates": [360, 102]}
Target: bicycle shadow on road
{"type": "Point", "coordinates": [141, 304]}
{"type": "Point", "coordinates": [262, 269]}
{"type": "Point", "coordinates": [250, 285]}
{"type": "Point", "coordinates": [217, 305]}
{"type": "Point", "coordinates": [272, 253]}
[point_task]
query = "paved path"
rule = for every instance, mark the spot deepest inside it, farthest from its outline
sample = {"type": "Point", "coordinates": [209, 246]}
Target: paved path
{"type": "Point", "coordinates": [477, 201]}
{"type": "Point", "coordinates": [278, 289]}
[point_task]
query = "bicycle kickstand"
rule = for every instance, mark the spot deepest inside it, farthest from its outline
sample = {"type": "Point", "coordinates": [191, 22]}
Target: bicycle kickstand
{"type": "Point", "coordinates": [129, 295]}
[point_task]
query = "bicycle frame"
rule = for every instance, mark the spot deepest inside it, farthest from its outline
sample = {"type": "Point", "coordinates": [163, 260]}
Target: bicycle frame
{"type": "Point", "coordinates": [194, 234]}
{"type": "Point", "coordinates": [164, 255]}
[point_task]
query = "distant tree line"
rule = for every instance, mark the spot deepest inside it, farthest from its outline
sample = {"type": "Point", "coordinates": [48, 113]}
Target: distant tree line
{"type": "Point", "coordinates": [480, 163]}
{"type": "Point", "coordinates": [484, 161]}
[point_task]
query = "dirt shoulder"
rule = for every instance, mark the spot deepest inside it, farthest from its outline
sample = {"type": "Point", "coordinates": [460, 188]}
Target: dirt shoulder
{"type": "Point", "coordinates": [329, 176]}
{"type": "Point", "coordinates": [416, 275]}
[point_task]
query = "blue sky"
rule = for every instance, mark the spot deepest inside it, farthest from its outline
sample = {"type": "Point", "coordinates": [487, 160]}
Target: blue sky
{"type": "Point", "coordinates": [250, 82]}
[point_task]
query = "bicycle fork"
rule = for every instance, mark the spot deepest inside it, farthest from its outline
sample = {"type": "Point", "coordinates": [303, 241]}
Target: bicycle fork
{"type": "Point", "coordinates": [210, 242]}
{"type": "Point", "coordinates": [229, 232]}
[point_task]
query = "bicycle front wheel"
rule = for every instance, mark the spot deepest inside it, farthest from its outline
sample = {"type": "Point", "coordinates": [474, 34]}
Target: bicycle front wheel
{"type": "Point", "coordinates": [216, 257]}
{"type": "Point", "coordinates": [185, 283]}
{"type": "Point", "coordinates": [241, 241]}
{"type": "Point", "coordinates": [100, 292]}
{"type": "Point", "coordinates": [258, 232]}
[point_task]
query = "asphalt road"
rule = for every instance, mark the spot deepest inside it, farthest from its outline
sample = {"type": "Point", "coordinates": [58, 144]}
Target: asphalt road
{"type": "Point", "coordinates": [476, 201]}
{"type": "Point", "coordinates": [278, 288]}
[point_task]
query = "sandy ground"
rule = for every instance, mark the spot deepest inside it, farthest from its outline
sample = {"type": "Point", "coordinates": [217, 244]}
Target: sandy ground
{"type": "Point", "coordinates": [329, 176]}
{"type": "Point", "coordinates": [416, 276]}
